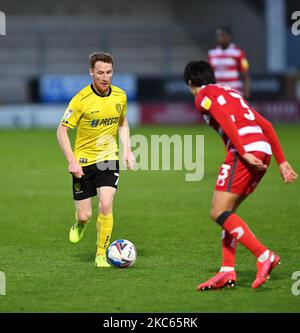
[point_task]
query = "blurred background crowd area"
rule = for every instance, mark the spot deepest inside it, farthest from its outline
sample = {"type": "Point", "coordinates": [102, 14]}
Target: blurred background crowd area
{"type": "Point", "coordinates": [44, 55]}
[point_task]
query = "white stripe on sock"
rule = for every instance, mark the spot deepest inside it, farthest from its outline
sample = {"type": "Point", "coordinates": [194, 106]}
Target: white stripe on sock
{"type": "Point", "coordinates": [226, 269]}
{"type": "Point", "coordinates": [263, 257]}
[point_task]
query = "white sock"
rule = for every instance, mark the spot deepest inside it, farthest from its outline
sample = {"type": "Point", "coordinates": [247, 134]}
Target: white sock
{"type": "Point", "coordinates": [263, 257]}
{"type": "Point", "coordinates": [226, 269]}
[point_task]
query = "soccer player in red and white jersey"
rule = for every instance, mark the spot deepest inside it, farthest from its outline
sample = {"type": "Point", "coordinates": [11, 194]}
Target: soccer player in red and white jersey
{"type": "Point", "coordinates": [230, 63]}
{"type": "Point", "coordinates": [250, 140]}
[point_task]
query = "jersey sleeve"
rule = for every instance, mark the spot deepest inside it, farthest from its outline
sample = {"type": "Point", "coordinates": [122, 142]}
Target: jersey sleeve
{"type": "Point", "coordinates": [205, 103]}
{"type": "Point", "coordinates": [272, 137]}
{"type": "Point", "coordinates": [124, 108]}
{"type": "Point", "coordinates": [243, 63]}
{"type": "Point", "coordinates": [73, 113]}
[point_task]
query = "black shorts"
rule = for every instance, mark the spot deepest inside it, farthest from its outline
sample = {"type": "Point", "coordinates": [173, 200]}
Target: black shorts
{"type": "Point", "coordinates": [104, 173]}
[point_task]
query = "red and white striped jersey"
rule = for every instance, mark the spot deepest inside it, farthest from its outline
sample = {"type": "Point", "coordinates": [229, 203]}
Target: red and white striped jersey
{"type": "Point", "coordinates": [240, 126]}
{"type": "Point", "coordinates": [227, 64]}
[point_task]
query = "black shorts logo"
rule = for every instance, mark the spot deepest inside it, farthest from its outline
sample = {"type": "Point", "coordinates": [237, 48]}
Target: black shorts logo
{"type": "Point", "coordinates": [77, 187]}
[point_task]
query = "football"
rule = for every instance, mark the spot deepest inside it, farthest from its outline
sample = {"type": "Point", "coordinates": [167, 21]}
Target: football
{"type": "Point", "coordinates": [121, 253]}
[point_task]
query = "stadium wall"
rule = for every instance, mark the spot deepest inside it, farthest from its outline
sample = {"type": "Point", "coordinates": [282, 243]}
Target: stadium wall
{"type": "Point", "coordinates": [47, 116]}
{"type": "Point", "coordinates": [146, 37]}
{"type": "Point", "coordinates": [148, 113]}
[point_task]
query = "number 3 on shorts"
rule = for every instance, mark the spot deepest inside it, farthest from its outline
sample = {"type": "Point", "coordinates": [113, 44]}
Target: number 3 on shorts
{"type": "Point", "coordinates": [116, 174]}
{"type": "Point", "coordinates": [223, 174]}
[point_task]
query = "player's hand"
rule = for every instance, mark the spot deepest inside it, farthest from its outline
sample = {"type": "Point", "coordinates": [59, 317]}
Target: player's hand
{"type": "Point", "coordinates": [287, 173]}
{"type": "Point", "coordinates": [129, 160]}
{"type": "Point", "coordinates": [254, 161]}
{"type": "Point", "coordinates": [75, 169]}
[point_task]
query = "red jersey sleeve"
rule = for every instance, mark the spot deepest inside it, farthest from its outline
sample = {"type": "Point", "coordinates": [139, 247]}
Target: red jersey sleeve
{"type": "Point", "coordinates": [243, 63]}
{"type": "Point", "coordinates": [272, 137]}
{"type": "Point", "coordinates": [205, 103]}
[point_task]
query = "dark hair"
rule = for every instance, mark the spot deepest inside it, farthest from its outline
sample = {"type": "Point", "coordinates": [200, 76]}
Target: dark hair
{"type": "Point", "coordinates": [100, 56]}
{"type": "Point", "coordinates": [199, 73]}
{"type": "Point", "coordinates": [226, 30]}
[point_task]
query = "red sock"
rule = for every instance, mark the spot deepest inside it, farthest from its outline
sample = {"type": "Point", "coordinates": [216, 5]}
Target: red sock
{"type": "Point", "coordinates": [229, 244]}
{"type": "Point", "coordinates": [239, 229]}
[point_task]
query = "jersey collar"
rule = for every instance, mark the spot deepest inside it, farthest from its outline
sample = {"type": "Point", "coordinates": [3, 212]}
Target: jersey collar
{"type": "Point", "coordinates": [96, 92]}
{"type": "Point", "coordinates": [230, 46]}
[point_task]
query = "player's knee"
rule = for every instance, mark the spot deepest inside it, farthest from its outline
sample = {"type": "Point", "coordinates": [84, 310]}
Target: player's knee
{"type": "Point", "coordinates": [84, 215]}
{"type": "Point", "coordinates": [221, 216]}
{"type": "Point", "coordinates": [105, 210]}
{"type": "Point", "coordinates": [105, 207]}
{"type": "Point", "coordinates": [214, 213]}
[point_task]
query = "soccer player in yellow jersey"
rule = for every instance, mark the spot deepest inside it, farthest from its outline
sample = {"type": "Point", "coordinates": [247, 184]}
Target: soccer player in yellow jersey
{"type": "Point", "coordinates": [99, 113]}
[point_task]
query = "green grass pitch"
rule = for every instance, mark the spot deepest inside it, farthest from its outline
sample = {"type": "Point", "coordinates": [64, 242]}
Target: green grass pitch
{"type": "Point", "coordinates": [166, 218]}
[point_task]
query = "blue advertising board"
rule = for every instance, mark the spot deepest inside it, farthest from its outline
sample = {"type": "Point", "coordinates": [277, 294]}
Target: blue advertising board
{"type": "Point", "coordinates": [60, 88]}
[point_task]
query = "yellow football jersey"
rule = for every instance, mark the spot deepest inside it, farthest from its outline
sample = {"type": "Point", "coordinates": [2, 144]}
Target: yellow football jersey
{"type": "Point", "coordinates": [97, 121]}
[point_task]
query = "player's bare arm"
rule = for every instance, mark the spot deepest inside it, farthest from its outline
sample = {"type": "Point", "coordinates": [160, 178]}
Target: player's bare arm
{"type": "Point", "coordinates": [64, 142]}
{"type": "Point", "coordinates": [246, 84]}
{"type": "Point", "coordinates": [124, 132]}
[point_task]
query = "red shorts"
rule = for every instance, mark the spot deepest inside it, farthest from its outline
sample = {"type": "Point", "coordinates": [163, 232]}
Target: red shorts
{"type": "Point", "coordinates": [236, 176]}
